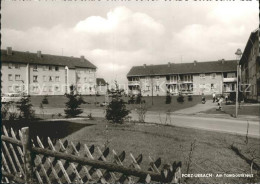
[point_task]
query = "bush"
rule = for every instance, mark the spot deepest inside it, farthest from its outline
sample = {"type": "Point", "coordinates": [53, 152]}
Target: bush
{"type": "Point", "coordinates": [116, 110]}
{"type": "Point", "coordinates": [180, 98]}
{"type": "Point", "coordinates": [138, 98]}
{"type": "Point", "coordinates": [45, 100]}
{"type": "Point", "coordinates": [73, 105]}
{"type": "Point", "coordinates": [141, 111]}
{"type": "Point", "coordinates": [4, 110]}
{"type": "Point", "coordinates": [168, 99]}
{"type": "Point", "coordinates": [189, 98]}
{"type": "Point", "coordinates": [25, 108]}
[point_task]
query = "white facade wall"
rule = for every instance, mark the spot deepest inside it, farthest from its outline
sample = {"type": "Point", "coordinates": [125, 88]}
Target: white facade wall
{"type": "Point", "coordinates": [46, 79]}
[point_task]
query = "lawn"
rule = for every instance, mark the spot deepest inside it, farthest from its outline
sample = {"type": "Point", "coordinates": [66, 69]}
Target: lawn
{"type": "Point", "coordinates": [158, 102]}
{"type": "Point", "coordinates": [247, 109]}
{"type": "Point", "coordinates": [212, 154]}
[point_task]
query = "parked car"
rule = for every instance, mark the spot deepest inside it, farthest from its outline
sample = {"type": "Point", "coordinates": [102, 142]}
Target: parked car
{"type": "Point", "coordinates": [103, 104]}
{"type": "Point", "coordinates": [11, 97]}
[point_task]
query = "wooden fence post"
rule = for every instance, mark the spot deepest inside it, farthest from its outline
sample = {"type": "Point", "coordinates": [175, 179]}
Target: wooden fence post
{"type": "Point", "coordinates": [27, 150]}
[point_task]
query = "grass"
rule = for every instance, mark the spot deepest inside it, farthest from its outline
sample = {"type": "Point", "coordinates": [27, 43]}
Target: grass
{"type": "Point", "coordinates": [251, 110]}
{"type": "Point", "coordinates": [213, 153]}
{"type": "Point", "coordinates": [158, 102]}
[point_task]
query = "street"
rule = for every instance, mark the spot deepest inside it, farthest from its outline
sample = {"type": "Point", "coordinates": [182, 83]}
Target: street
{"type": "Point", "coordinates": [207, 122]}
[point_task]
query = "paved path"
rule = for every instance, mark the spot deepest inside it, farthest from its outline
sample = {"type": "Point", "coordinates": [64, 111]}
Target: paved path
{"type": "Point", "coordinates": [206, 122]}
{"type": "Point", "coordinates": [197, 108]}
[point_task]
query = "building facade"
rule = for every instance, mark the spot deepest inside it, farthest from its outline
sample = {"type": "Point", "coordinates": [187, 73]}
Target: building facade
{"type": "Point", "coordinates": [250, 68]}
{"type": "Point", "coordinates": [42, 74]}
{"type": "Point", "coordinates": [186, 78]}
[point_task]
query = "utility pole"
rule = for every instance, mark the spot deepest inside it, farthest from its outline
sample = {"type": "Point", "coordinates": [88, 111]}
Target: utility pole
{"type": "Point", "coordinates": [238, 54]}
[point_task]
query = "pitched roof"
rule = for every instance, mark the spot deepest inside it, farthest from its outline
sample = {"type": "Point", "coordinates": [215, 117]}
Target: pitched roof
{"type": "Point", "coordinates": [184, 68]}
{"type": "Point", "coordinates": [251, 40]}
{"type": "Point", "coordinates": [32, 58]}
{"type": "Point", "coordinates": [100, 82]}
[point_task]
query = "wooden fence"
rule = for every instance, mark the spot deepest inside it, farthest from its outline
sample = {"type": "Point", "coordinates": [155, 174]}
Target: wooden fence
{"type": "Point", "coordinates": [25, 160]}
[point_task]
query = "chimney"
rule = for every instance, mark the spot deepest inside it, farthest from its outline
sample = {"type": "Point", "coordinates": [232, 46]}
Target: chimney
{"type": "Point", "coordinates": [222, 61]}
{"type": "Point", "coordinates": [82, 58]}
{"type": "Point", "coordinates": [169, 64]}
{"type": "Point", "coordinates": [195, 62]}
{"type": "Point", "coordinates": [144, 65]}
{"type": "Point", "coordinates": [9, 50]}
{"type": "Point", "coordinates": [39, 54]}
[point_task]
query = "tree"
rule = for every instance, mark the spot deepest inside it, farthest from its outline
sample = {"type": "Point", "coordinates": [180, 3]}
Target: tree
{"type": "Point", "coordinates": [168, 99]}
{"type": "Point", "coordinates": [116, 110]}
{"type": "Point", "coordinates": [73, 105]}
{"type": "Point", "coordinates": [25, 108]}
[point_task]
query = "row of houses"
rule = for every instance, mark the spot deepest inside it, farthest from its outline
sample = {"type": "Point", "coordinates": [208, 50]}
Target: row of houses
{"type": "Point", "coordinates": [43, 74]}
{"type": "Point", "coordinates": [198, 78]}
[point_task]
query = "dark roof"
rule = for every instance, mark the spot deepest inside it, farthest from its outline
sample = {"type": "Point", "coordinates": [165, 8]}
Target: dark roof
{"type": "Point", "coordinates": [251, 40]}
{"type": "Point", "coordinates": [101, 82]}
{"type": "Point", "coordinates": [32, 58]}
{"type": "Point", "coordinates": [184, 68]}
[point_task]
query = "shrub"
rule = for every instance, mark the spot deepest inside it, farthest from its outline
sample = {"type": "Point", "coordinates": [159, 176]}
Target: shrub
{"type": "Point", "coordinates": [116, 110]}
{"type": "Point", "coordinates": [45, 100]}
{"type": "Point", "coordinates": [73, 105]}
{"type": "Point", "coordinates": [141, 111]}
{"type": "Point", "coordinates": [189, 98]}
{"type": "Point", "coordinates": [25, 108]}
{"type": "Point", "coordinates": [168, 99]}
{"type": "Point", "coordinates": [180, 98]}
{"type": "Point", "coordinates": [4, 110]}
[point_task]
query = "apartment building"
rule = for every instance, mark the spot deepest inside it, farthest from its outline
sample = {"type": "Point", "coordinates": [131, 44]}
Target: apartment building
{"type": "Point", "coordinates": [250, 68]}
{"type": "Point", "coordinates": [187, 78]}
{"type": "Point", "coordinates": [43, 74]}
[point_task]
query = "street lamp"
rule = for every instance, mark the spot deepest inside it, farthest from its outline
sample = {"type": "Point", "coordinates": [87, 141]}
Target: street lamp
{"type": "Point", "coordinates": [238, 55]}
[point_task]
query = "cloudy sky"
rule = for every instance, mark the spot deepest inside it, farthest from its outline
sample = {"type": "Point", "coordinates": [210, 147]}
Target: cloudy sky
{"type": "Point", "coordinates": [118, 35]}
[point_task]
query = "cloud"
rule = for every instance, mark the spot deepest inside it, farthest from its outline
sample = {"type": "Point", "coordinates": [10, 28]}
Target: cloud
{"type": "Point", "coordinates": [122, 37]}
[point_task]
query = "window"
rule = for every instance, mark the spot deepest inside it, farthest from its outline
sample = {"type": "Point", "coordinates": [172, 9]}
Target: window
{"type": "Point", "coordinates": [57, 78]}
{"type": "Point", "coordinates": [44, 78]}
{"type": "Point", "coordinates": [202, 75]}
{"type": "Point", "coordinates": [50, 88]}
{"type": "Point", "coordinates": [45, 88]}
{"type": "Point", "coordinates": [10, 77]}
{"type": "Point", "coordinates": [10, 66]}
{"type": "Point", "coordinates": [35, 68]}
{"type": "Point", "coordinates": [90, 88]}
{"type": "Point", "coordinates": [17, 66]}
{"type": "Point", "coordinates": [56, 68]}
{"type": "Point", "coordinates": [17, 77]}
{"type": "Point", "coordinates": [50, 78]}
{"type": "Point", "coordinates": [17, 89]}
{"type": "Point", "coordinates": [157, 77]}
{"type": "Point", "coordinates": [86, 79]}
{"type": "Point", "coordinates": [44, 67]}
{"type": "Point", "coordinates": [35, 78]}
{"type": "Point", "coordinates": [213, 75]}
{"type": "Point", "coordinates": [10, 89]}
{"type": "Point", "coordinates": [212, 86]}
{"type": "Point", "coordinates": [35, 89]}
{"type": "Point", "coordinates": [148, 88]}
{"type": "Point", "coordinates": [57, 88]}
{"type": "Point", "coordinates": [50, 68]}
{"type": "Point", "coordinates": [157, 88]}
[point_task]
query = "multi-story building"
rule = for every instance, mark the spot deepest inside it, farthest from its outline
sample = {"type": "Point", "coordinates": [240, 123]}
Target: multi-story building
{"type": "Point", "coordinates": [250, 68]}
{"type": "Point", "coordinates": [43, 74]}
{"type": "Point", "coordinates": [187, 78]}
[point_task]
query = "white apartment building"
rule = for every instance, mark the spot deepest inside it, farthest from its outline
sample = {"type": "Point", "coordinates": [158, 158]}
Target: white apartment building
{"type": "Point", "coordinates": [43, 74]}
{"type": "Point", "coordinates": [187, 78]}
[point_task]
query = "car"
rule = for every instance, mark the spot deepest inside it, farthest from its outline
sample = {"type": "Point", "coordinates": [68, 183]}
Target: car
{"type": "Point", "coordinates": [103, 104]}
{"type": "Point", "coordinates": [11, 97]}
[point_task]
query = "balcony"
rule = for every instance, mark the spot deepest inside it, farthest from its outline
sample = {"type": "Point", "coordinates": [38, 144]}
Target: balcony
{"type": "Point", "coordinates": [133, 83]}
{"type": "Point", "coordinates": [229, 79]}
{"type": "Point", "coordinates": [171, 82]}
